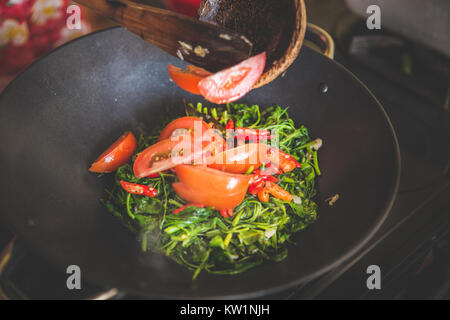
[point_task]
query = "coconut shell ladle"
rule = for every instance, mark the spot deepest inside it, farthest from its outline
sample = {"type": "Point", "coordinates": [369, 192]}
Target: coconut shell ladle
{"type": "Point", "coordinates": [275, 26]}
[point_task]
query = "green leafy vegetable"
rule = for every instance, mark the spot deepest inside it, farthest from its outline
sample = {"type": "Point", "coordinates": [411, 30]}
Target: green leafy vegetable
{"type": "Point", "coordinates": [200, 238]}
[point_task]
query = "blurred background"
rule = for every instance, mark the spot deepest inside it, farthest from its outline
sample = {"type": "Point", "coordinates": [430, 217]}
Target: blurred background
{"type": "Point", "coordinates": [32, 28]}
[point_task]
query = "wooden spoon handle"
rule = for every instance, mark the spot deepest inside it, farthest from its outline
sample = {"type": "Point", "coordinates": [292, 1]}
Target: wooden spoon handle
{"type": "Point", "coordinates": [197, 42]}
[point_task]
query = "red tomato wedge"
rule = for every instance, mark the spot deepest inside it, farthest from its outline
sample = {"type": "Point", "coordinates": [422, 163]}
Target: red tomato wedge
{"type": "Point", "coordinates": [214, 180]}
{"type": "Point", "coordinates": [210, 187]}
{"type": "Point", "coordinates": [219, 202]}
{"type": "Point", "coordinates": [208, 138]}
{"type": "Point", "coordinates": [116, 155]}
{"type": "Point", "coordinates": [231, 84]}
{"type": "Point", "coordinates": [240, 159]}
{"type": "Point", "coordinates": [188, 80]}
{"type": "Point", "coordinates": [188, 123]}
{"type": "Point", "coordinates": [160, 156]}
{"type": "Point", "coordinates": [198, 71]}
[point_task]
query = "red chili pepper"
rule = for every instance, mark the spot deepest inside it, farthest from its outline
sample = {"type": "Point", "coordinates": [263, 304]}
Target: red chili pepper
{"type": "Point", "coordinates": [257, 181]}
{"type": "Point", "coordinates": [286, 162]}
{"type": "Point", "coordinates": [256, 187]}
{"type": "Point", "coordinates": [263, 195]}
{"type": "Point", "coordinates": [261, 176]}
{"type": "Point", "coordinates": [139, 189]}
{"type": "Point", "coordinates": [188, 205]}
{"type": "Point", "coordinates": [254, 177]}
{"type": "Point", "coordinates": [284, 155]}
{"type": "Point", "coordinates": [230, 125]}
{"type": "Point", "coordinates": [275, 190]}
{"type": "Point", "coordinates": [278, 192]}
{"type": "Point", "coordinates": [226, 213]}
{"type": "Point", "coordinates": [264, 175]}
{"type": "Point", "coordinates": [290, 158]}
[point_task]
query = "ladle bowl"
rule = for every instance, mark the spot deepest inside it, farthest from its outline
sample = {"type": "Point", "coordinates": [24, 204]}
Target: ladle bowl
{"type": "Point", "coordinates": [277, 27]}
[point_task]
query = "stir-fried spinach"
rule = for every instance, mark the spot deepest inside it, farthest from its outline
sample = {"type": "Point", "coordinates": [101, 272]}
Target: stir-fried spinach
{"type": "Point", "coordinates": [200, 238]}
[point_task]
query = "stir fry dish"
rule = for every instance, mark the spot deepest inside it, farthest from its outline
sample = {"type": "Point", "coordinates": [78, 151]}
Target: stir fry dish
{"type": "Point", "coordinates": [219, 190]}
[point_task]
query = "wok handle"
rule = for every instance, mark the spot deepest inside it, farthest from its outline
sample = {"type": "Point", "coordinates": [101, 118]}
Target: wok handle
{"type": "Point", "coordinates": [321, 39]}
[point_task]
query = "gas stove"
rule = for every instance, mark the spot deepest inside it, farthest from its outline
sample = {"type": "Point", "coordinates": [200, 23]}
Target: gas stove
{"type": "Point", "coordinates": [412, 248]}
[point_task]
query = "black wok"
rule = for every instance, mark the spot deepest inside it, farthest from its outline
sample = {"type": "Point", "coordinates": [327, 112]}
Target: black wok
{"type": "Point", "coordinates": [58, 115]}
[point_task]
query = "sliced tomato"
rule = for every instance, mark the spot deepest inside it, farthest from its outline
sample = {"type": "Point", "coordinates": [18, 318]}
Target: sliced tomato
{"type": "Point", "coordinates": [188, 80]}
{"type": "Point", "coordinates": [188, 123]}
{"type": "Point", "coordinates": [116, 155]}
{"type": "Point", "coordinates": [159, 157]}
{"type": "Point", "coordinates": [214, 180]}
{"type": "Point", "coordinates": [198, 71]}
{"type": "Point", "coordinates": [233, 83]}
{"type": "Point", "coordinates": [240, 159]}
{"type": "Point", "coordinates": [219, 202]}
{"type": "Point", "coordinates": [209, 140]}
{"type": "Point", "coordinates": [210, 187]}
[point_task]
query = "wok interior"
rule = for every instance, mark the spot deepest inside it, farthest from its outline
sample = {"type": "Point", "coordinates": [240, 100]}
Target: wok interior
{"type": "Point", "coordinates": [84, 95]}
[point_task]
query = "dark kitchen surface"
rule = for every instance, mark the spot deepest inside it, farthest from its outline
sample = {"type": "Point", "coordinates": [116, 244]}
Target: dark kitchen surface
{"type": "Point", "coordinates": [412, 248]}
